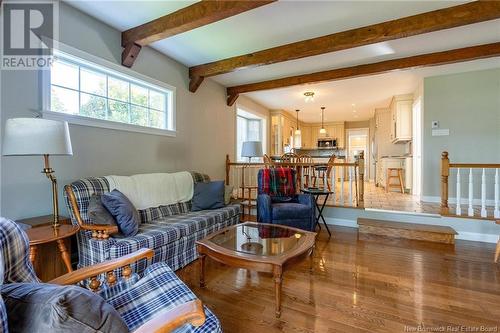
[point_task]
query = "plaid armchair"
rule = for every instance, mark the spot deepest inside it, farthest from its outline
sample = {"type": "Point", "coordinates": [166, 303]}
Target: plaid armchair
{"type": "Point", "coordinates": [278, 203]}
{"type": "Point", "coordinates": [157, 301]}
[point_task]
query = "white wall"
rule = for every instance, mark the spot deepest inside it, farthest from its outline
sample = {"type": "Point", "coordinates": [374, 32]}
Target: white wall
{"type": "Point", "coordinates": [205, 126]}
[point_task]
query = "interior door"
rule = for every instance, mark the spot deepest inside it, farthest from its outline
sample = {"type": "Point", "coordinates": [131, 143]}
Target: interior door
{"type": "Point", "coordinates": [417, 147]}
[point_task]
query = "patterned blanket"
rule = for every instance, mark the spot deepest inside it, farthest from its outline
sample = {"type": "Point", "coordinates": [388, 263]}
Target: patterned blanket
{"type": "Point", "coordinates": [277, 182]}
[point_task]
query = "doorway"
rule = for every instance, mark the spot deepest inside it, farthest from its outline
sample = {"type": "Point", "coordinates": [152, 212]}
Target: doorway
{"type": "Point", "coordinates": [357, 142]}
{"type": "Point", "coordinates": [417, 148]}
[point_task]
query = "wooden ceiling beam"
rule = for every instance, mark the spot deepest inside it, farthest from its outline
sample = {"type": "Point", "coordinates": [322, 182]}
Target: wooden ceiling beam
{"type": "Point", "coordinates": [413, 62]}
{"type": "Point", "coordinates": [446, 18]}
{"type": "Point", "coordinates": [191, 17]}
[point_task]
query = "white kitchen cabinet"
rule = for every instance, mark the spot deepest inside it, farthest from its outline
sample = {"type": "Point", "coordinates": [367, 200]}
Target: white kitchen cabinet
{"type": "Point", "coordinates": [401, 117]}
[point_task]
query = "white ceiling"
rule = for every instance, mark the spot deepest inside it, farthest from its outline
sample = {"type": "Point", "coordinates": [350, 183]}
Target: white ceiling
{"type": "Point", "coordinates": [289, 21]}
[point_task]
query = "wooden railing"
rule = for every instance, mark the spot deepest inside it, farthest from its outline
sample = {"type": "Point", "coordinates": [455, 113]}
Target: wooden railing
{"type": "Point", "coordinates": [467, 169]}
{"type": "Point", "coordinates": [346, 180]}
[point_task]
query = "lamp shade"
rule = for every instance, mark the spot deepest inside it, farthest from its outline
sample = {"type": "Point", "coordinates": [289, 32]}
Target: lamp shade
{"type": "Point", "coordinates": [251, 149]}
{"type": "Point", "coordinates": [36, 136]}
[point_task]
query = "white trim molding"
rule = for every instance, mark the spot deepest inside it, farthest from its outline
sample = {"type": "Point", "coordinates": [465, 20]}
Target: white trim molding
{"type": "Point", "coordinates": [463, 201]}
{"type": "Point", "coordinates": [115, 70]}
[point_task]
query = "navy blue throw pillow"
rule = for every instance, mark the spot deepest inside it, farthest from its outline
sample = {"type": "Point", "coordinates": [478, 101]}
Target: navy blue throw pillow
{"type": "Point", "coordinates": [208, 196]}
{"type": "Point", "coordinates": [124, 212]}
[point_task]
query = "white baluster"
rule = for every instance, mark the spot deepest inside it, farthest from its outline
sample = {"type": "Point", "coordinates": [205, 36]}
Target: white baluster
{"type": "Point", "coordinates": [459, 209]}
{"type": "Point", "coordinates": [350, 186]}
{"type": "Point", "coordinates": [483, 194]}
{"type": "Point", "coordinates": [325, 184]}
{"type": "Point", "coordinates": [496, 212]}
{"type": "Point", "coordinates": [470, 211]}
{"type": "Point", "coordinates": [334, 184]}
{"type": "Point", "coordinates": [342, 186]}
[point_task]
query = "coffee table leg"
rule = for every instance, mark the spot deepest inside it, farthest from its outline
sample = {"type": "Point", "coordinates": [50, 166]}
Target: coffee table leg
{"type": "Point", "coordinates": [278, 279]}
{"type": "Point", "coordinates": [202, 270]}
{"type": "Point", "coordinates": [64, 254]}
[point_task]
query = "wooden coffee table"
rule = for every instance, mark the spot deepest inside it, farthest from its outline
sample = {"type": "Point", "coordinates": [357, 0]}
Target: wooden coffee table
{"type": "Point", "coordinates": [257, 246]}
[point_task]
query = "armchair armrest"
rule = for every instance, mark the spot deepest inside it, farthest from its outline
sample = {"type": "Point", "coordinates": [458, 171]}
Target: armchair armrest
{"type": "Point", "coordinates": [264, 208]}
{"type": "Point", "coordinates": [107, 266]}
{"type": "Point", "coordinates": [306, 199]}
{"type": "Point", "coordinates": [190, 312]}
{"type": "Point", "coordinates": [98, 231]}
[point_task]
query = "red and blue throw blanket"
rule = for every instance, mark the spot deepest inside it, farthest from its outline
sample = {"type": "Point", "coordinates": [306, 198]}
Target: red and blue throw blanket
{"type": "Point", "coordinates": [278, 182]}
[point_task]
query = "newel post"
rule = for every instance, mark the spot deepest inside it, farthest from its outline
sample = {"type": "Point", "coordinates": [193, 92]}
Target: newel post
{"type": "Point", "coordinates": [361, 166]}
{"type": "Point", "coordinates": [228, 165]}
{"type": "Point", "coordinates": [445, 172]}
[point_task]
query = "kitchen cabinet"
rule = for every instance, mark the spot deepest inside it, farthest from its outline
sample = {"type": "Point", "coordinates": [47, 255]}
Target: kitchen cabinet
{"type": "Point", "coordinates": [401, 117]}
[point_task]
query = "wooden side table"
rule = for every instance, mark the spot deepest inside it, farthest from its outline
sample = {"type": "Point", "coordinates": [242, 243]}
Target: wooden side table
{"type": "Point", "coordinates": [46, 241]}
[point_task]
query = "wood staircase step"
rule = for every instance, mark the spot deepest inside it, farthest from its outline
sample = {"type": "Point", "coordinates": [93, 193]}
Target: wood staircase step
{"type": "Point", "coordinates": [423, 232]}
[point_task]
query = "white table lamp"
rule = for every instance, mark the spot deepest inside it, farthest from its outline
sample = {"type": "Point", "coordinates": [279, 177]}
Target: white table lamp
{"type": "Point", "coordinates": [251, 149]}
{"type": "Point", "coordinates": [37, 136]}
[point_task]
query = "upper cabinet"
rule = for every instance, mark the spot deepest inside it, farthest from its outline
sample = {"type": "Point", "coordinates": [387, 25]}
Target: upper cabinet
{"type": "Point", "coordinates": [401, 117]}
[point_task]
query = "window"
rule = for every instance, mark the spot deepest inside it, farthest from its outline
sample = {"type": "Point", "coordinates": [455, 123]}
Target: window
{"type": "Point", "coordinates": [248, 128]}
{"type": "Point", "coordinates": [80, 90]}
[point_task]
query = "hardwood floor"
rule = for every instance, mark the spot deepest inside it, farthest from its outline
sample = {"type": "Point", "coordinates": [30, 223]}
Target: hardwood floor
{"type": "Point", "coordinates": [371, 284]}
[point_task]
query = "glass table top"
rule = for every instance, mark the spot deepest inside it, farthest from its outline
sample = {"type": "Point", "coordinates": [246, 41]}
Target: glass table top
{"type": "Point", "coordinates": [258, 239]}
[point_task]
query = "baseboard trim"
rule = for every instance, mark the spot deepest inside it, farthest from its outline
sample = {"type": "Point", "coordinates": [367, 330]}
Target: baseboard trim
{"type": "Point", "coordinates": [402, 212]}
{"type": "Point", "coordinates": [463, 201]}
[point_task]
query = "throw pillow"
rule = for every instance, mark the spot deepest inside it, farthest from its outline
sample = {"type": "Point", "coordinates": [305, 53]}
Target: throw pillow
{"type": "Point", "coordinates": [41, 307]}
{"type": "Point", "coordinates": [208, 196]}
{"type": "Point", "coordinates": [124, 212]}
{"type": "Point", "coordinates": [98, 214]}
{"type": "Point", "coordinates": [228, 193]}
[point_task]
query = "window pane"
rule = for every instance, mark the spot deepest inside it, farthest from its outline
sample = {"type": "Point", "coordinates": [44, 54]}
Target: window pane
{"type": "Point", "coordinates": [64, 74]}
{"type": "Point", "coordinates": [63, 100]}
{"type": "Point", "coordinates": [157, 100]}
{"type": "Point", "coordinates": [157, 119]}
{"type": "Point", "coordinates": [139, 95]}
{"type": "Point", "coordinates": [254, 130]}
{"type": "Point", "coordinates": [241, 135]}
{"type": "Point", "coordinates": [118, 89]}
{"type": "Point", "coordinates": [139, 115]}
{"type": "Point", "coordinates": [92, 82]}
{"type": "Point", "coordinates": [92, 106]}
{"type": "Point", "coordinates": [118, 111]}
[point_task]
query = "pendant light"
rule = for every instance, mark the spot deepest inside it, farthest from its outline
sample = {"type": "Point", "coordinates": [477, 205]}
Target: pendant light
{"type": "Point", "coordinates": [322, 130]}
{"type": "Point", "coordinates": [297, 140]}
{"type": "Point", "coordinates": [309, 96]}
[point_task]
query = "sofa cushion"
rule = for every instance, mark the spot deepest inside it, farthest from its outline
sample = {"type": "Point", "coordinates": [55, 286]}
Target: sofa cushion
{"type": "Point", "coordinates": [208, 196]}
{"type": "Point", "coordinates": [98, 214]}
{"type": "Point", "coordinates": [194, 221]}
{"type": "Point", "coordinates": [40, 307]}
{"type": "Point", "coordinates": [159, 290]}
{"type": "Point", "coordinates": [282, 211]}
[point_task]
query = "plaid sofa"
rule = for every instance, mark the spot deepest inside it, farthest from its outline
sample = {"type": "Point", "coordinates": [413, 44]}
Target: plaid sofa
{"type": "Point", "coordinates": [171, 230]}
{"type": "Point", "coordinates": [137, 300]}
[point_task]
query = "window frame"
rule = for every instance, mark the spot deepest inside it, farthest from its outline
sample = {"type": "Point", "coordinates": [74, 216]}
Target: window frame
{"type": "Point", "coordinates": [114, 70]}
{"type": "Point", "coordinates": [260, 121]}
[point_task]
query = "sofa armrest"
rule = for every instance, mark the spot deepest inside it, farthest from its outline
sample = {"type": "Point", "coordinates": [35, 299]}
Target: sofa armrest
{"type": "Point", "coordinates": [191, 312]}
{"type": "Point", "coordinates": [264, 208]}
{"type": "Point", "coordinates": [308, 200]}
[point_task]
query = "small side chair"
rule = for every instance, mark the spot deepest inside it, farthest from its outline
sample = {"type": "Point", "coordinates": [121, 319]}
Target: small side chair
{"type": "Point", "coordinates": [278, 202]}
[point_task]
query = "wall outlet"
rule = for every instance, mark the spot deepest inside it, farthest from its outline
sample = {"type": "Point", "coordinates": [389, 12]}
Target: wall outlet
{"type": "Point", "coordinates": [435, 124]}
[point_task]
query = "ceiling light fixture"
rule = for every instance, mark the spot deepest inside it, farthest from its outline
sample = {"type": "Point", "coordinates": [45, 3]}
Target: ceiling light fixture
{"type": "Point", "coordinates": [309, 96]}
{"type": "Point", "coordinates": [322, 130]}
{"type": "Point", "coordinates": [297, 140]}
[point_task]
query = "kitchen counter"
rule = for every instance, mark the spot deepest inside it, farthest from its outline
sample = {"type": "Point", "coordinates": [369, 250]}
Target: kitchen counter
{"type": "Point", "coordinates": [321, 152]}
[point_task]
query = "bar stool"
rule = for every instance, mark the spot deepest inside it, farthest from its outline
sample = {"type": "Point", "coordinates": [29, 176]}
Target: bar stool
{"type": "Point", "coordinates": [398, 176]}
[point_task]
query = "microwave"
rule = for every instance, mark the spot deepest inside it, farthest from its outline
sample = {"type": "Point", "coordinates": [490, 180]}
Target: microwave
{"type": "Point", "coordinates": [327, 143]}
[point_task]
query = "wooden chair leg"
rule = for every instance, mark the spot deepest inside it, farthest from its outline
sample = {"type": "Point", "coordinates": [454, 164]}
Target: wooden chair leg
{"type": "Point", "coordinates": [388, 180]}
{"type": "Point", "coordinates": [497, 252]}
{"type": "Point", "coordinates": [400, 175]}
